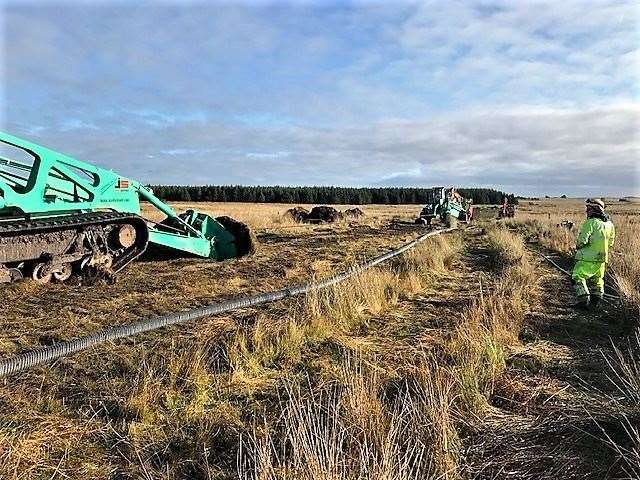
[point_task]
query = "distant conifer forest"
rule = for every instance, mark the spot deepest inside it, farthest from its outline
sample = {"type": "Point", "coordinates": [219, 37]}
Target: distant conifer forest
{"type": "Point", "coordinates": [318, 194]}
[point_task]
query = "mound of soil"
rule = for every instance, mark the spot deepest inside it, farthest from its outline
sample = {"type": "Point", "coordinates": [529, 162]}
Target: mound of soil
{"type": "Point", "coordinates": [298, 214]}
{"type": "Point", "coordinates": [244, 238]}
{"type": "Point", "coordinates": [321, 214]}
{"type": "Point", "coordinates": [353, 213]}
{"type": "Point", "coordinates": [324, 214]}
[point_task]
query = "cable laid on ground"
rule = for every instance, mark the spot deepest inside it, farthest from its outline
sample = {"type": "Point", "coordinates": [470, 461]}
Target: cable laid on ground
{"type": "Point", "coordinates": [26, 360]}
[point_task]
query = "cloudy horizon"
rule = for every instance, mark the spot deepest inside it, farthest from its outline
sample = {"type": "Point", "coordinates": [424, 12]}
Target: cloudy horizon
{"type": "Point", "coordinates": [536, 98]}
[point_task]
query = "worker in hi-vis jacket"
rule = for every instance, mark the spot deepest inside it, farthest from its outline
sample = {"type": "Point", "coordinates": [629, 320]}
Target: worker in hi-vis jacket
{"type": "Point", "coordinates": [595, 239]}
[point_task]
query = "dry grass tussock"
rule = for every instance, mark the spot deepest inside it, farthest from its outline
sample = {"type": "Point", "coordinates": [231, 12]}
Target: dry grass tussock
{"type": "Point", "coordinates": [624, 366]}
{"type": "Point", "coordinates": [354, 429]}
{"type": "Point", "coordinates": [505, 248]}
{"type": "Point", "coordinates": [417, 267]}
{"type": "Point", "coordinates": [625, 263]}
{"type": "Point", "coordinates": [491, 325]}
{"type": "Point", "coordinates": [177, 406]}
{"type": "Point", "coordinates": [336, 315]}
{"type": "Point", "coordinates": [378, 423]}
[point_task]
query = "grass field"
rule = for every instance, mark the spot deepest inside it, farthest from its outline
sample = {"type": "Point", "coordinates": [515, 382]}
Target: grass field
{"type": "Point", "coordinates": [464, 358]}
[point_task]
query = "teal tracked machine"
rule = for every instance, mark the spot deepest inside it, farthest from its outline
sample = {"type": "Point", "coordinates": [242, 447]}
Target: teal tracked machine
{"type": "Point", "coordinates": [446, 205]}
{"type": "Point", "coordinates": [60, 216]}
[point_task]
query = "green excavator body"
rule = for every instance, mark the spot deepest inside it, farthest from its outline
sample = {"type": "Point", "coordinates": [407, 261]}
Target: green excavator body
{"type": "Point", "coordinates": [44, 194]}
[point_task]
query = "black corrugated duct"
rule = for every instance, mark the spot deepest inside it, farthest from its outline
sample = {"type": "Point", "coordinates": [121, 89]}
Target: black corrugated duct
{"type": "Point", "coordinates": [26, 360]}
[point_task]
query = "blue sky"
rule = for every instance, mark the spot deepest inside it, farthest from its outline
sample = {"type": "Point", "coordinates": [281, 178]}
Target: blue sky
{"type": "Point", "coordinates": [532, 97]}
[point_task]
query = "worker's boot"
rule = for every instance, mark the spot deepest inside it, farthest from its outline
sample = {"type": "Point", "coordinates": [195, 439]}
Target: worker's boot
{"type": "Point", "coordinates": [583, 302]}
{"type": "Point", "coordinates": [595, 301]}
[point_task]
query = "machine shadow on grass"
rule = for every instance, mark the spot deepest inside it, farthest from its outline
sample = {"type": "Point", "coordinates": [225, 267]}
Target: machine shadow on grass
{"type": "Point", "coordinates": [157, 253]}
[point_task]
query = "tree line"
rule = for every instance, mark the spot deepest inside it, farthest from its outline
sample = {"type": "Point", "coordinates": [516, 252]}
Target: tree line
{"type": "Point", "coordinates": [317, 194]}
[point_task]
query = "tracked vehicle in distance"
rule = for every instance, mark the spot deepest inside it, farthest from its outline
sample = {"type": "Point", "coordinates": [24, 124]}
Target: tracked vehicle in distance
{"type": "Point", "coordinates": [447, 205]}
{"type": "Point", "coordinates": [60, 216]}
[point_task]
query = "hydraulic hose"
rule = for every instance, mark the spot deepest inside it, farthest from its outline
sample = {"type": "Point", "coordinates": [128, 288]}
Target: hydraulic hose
{"type": "Point", "coordinates": [20, 362]}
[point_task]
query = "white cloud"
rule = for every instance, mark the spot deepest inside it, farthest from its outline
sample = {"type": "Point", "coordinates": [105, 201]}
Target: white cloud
{"type": "Point", "coordinates": [528, 150]}
{"type": "Point", "coordinates": [534, 97]}
{"type": "Point", "coordinates": [574, 52]}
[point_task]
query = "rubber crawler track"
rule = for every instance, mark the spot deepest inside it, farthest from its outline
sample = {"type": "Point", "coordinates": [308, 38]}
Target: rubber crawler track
{"type": "Point", "coordinates": [20, 362]}
{"type": "Point", "coordinates": [10, 228]}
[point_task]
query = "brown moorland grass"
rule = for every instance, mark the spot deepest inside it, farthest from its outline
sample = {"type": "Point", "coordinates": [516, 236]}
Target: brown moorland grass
{"type": "Point", "coordinates": [319, 417]}
{"type": "Point", "coordinates": [351, 429]}
{"type": "Point", "coordinates": [272, 215]}
{"type": "Point", "coordinates": [307, 388]}
{"type": "Point", "coordinates": [492, 324]}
